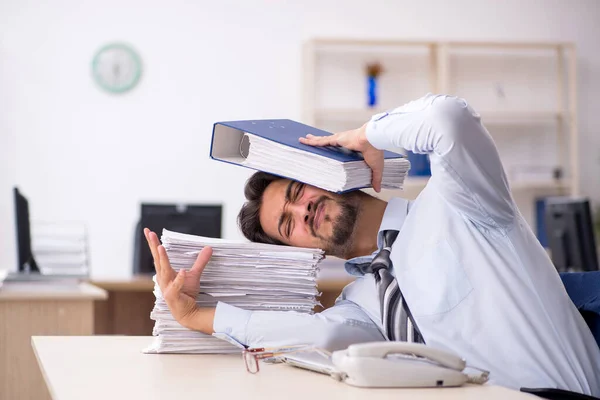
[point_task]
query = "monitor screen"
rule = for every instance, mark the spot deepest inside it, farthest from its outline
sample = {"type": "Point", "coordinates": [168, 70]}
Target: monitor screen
{"type": "Point", "coordinates": [570, 234]}
{"type": "Point", "coordinates": [202, 220]}
{"type": "Point", "coordinates": [26, 262]}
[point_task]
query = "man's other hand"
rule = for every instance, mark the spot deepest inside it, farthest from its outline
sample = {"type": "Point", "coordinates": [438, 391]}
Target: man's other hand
{"type": "Point", "coordinates": [181, 289]}
{"type": "Point", "coordinates": [355, 139]}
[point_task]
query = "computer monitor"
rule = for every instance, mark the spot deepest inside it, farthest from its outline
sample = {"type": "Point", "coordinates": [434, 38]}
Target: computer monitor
{"type": "Point", "coordinates": [26, 261]}
{"type": "Point", "coordinates": [570, 234]}
{"type": "Point", "coordinates": [203, 220]}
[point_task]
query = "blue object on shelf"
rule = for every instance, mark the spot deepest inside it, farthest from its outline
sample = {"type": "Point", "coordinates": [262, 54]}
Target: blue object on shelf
{"type": "Point", "coordinates": [372, 90]}
{"type": "Point", "coordinates": [540, 221]}
{"type": "Point", "coordinates": [419, 164]}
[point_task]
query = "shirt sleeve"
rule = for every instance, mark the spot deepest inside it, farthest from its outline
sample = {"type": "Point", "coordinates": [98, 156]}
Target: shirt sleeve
{"type": "Point", "coordinates": [333, 329]}
{"type": "Point", "coordinates": [465, 164]}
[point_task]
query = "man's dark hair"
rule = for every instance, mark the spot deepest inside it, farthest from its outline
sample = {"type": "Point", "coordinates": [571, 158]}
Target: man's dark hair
{"type": "Point", "coordinates": [249, 215]}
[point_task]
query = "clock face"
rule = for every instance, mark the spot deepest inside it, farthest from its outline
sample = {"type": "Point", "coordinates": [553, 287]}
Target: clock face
{"type": "Point", "coordinates": [116, 68]}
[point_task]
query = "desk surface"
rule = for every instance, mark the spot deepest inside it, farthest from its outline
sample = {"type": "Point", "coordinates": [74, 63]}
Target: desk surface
{"type": "Point", "coordinates": [11, 291]}
{"type": "Point", "coordinates": [144, 283]}
{"type": "Point", "coordinates": [136, 283]}
{"type": "Point", "coordinates": [109, 367]}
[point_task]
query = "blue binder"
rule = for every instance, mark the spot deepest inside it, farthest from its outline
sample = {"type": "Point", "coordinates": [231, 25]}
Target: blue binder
{"type": "Point", "coordinates": [284, 131]}
{"type": "Point", "coordinates": [227, 137]}
{"type": "Point", "coordinates": [419, 164]}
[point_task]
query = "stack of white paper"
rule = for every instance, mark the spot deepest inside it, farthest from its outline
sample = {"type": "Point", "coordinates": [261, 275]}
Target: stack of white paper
{"type": "Point", "coordinates": [60, 248]}
{"type": "Point", "coordinates": [3, 275]}
{"type": "Point", "coordinates": [269, 156]}
{"type": "Point", "coordinates": [248, 275]}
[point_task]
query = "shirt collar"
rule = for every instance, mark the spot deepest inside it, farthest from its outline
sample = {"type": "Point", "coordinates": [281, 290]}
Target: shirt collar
{"type": "Point", "coordinates": [393, 218]}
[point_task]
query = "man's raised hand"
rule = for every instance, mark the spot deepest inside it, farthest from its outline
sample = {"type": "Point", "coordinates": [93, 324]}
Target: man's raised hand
{"type": "Point", "coordinates": [355, 139]}
{"type": "Point", "coordinates": [181, 289]}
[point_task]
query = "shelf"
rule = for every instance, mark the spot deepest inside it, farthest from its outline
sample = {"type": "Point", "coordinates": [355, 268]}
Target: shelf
{"type": "Point", "coordinates": [520, 118]}
{"type": "Point", "coordinates": [414, 185]}
{"type": "Point", "coordinates": [524, 92]}
{"type": "Point", "coordinates": [348, 115]}
{"type": "Point", "coordinates": [361, 42]}
{"type": "Point", "coordinates": [365, 44]}
{"type": "Point", "coordinates": [511, 45]}
{"type": "Point", "coordinates": [418, 183]}
{"type": "Point", "coordinates": [359, 116]}
{"type": "Point", "coordinates": [353, 50]}
{"type": "Point", "coordinates": [534, 185]}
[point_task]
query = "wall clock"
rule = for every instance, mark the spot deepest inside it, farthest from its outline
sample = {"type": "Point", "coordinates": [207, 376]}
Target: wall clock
{"type": "Point", "coordinates": [117, 68]}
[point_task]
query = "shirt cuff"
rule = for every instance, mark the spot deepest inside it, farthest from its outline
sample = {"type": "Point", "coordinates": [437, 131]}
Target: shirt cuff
{"type": "Point", "coordinates": [384, 127]}
{"type": "Point", "coordinates": [375, 133]}
{"type": "Point", "coordinates": [231, 321]}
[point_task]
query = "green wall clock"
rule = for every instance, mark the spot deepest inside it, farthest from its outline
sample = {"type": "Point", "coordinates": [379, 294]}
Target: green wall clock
{"type": "Point", "coordinates": [117, 68]}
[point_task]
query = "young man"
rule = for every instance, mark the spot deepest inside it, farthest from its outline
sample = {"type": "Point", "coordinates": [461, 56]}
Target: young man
{"type": "Point", "coordinates": [474, 277]}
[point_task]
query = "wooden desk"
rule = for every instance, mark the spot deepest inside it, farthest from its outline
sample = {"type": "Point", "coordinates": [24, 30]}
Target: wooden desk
{"type": "Point", "coordinates": [38, 308]}
{"type": "Point", "coordinates": [332, 279]}
{"type": "Point", "coordinates": [100, 368]}
{"type": "Point", "coordinates": [127, 310]}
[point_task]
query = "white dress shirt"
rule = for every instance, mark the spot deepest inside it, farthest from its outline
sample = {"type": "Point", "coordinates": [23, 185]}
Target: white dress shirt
{"type": "Point", "coordinates": [473, 274]}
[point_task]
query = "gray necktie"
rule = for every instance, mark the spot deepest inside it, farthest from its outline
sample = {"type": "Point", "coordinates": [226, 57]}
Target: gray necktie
{"type": "Point", "coordinates": [395, 315]}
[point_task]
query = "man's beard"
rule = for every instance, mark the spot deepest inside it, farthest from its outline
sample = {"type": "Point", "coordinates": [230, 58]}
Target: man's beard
{"type": "Point", "coordinates": [343, 226]}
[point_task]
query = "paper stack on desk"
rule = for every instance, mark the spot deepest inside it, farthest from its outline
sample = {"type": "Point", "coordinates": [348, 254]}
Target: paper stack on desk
{"type": "Point", "coordinates": [61, 248]}
{"type": "Point", "coordinates": [248, 275]}
{"type": "Point", "coordinates": [3, 275]}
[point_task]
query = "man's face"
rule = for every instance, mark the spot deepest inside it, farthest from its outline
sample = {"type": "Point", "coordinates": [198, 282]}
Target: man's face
{"type": "Point", "coordinates": [305, 216]}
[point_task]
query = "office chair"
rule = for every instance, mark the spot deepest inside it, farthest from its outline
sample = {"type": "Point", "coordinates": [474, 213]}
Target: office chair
{"type": "Point", "coordinates": [557, 394]}
{"type": "Point", "coordinates": [583, 288]}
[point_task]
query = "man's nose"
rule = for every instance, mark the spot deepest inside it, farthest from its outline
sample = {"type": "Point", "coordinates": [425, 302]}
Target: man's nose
{"type": "Point", "coordinates": [304, 211]}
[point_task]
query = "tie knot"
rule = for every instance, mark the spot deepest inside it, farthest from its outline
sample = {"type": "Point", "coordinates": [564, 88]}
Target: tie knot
{"type": "Point", "coordinates": [382, 259]}
{"type": "Point", "coordinates": [389, 237]}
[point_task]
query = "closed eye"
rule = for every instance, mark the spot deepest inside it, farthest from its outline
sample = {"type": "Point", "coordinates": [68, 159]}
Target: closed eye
{"type": "Point", "coordinates": [294, 191]}
{"type": "Point", "coordinates": [298, 191]}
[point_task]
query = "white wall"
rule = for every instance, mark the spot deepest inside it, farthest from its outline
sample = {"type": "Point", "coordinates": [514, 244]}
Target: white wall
{"type": "Point", "coordinates": [81, 154]}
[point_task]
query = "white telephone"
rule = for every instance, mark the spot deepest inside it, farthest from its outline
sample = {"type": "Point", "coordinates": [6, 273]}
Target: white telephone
{"type": "Point", "coordinates": [390, 364]}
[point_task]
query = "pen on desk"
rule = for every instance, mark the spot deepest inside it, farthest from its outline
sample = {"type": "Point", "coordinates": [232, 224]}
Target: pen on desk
{"type": "Point", "coordinates": [276, 349]}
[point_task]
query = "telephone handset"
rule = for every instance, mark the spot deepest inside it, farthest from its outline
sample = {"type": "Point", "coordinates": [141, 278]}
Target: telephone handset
{"type": "Point", "coordinates": [399, 364]}
{"type": "Point", "coordinates": [383, 349]}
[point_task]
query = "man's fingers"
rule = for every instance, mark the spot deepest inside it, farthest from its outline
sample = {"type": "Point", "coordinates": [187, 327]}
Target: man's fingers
{"type": "Point", "coordinates": [153, 243]}
{"type": "Point", "coordinates": [174, 289]}
{"type": "Point", "coordinates": [377, 177]}
{"type": "Point", "coordinates": [178, 282]}
{"type": "Point", "coordinates": [163, 258]}
{"type": "Point", "coordinates": [319, 140]}
{"type": "Point", "coordinates": [167, 272]}
{"type": "Point", "coordinates": [375, 162]}
{"type": "Point", "coordinates": [146, 233]}
{"type": "Point", "coordinates": [202, 259]}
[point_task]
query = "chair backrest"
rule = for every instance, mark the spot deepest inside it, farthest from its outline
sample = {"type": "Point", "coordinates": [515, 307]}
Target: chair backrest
{"type": "Point", "coordinates": [557, 394]}
{"type": "Point", "coordinates": [583, 289]}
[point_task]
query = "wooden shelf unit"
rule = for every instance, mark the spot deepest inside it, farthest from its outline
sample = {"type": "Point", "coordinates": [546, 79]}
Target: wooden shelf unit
{"type": "Point", "coordinates": [523, 91]}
